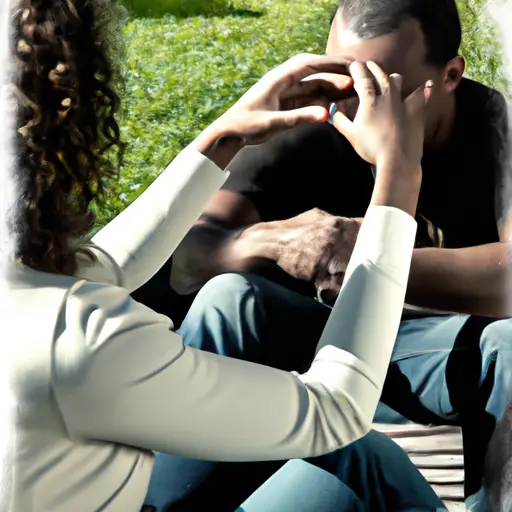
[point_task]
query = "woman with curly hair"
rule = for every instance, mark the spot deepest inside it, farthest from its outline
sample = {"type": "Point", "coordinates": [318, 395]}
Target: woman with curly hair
{"type": "Point", "coordinates": [101, 381]}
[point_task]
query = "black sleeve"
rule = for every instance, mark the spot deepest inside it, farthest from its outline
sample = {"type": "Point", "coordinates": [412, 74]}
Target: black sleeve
{"type": "Point", "coordinates": [281, 176]}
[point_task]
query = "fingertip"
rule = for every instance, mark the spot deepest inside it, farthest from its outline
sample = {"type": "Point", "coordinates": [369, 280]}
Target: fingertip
{"type": "Point", "coordinates": [332, 110]}
{"type": "Point", "coordinates": [317, 114]}
{"type": "Point", "coordinates": [355, 64]}
{"type": "Point", "coordinates": [428, 90]}
{"type": "Point", "coordinates": [324, 117]}
{"type": "Point", "coordinates": [348, 82]}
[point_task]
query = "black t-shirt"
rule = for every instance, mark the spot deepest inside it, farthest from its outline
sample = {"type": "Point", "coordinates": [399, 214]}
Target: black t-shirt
{"type": "Point", "coordinates": [313, 166]}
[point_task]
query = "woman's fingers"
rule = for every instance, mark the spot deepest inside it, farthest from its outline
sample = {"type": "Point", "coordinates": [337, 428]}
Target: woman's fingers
{"type": "Point", "coordinates": [301, 66]}
{"type": "Point", "coordinates": [306, 101]}
{"type": "Point", "coordinates": [414, 109]}
{"type": "Point", "coordinates": [328, 86]}
{"type": "Point", "coordinates": [416, 102]}
{"type": "Point", "coordinates": [335, 80]}
{"type": "Point", "coordinates": [345, 126]}
{"type": "Point", "coordinates": [381, 78]}
{"type": "Point", "coordinates": [395, 83]}
{"type": "Point", "coordinates": [373, 81]}
{"type": "Point", "coordinates": [364, 83]}
{"type": "Point", "coordinates": [304, 65]}
{"type": "Point", "coordinates": [290, 118]}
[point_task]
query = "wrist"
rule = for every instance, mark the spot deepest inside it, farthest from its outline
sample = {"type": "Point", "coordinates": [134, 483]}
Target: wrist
{"type": "Point", "coordinates": [261, 240]}
{"type": "Point", "coordinates": [399, 167]}
{"type": "Point", "coordinates": [219, 145]}
{"type": "Point", "coordinates": [397, 184]}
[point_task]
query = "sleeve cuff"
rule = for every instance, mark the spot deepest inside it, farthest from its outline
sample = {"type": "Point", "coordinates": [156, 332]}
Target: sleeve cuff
{"type": "Point", "coordinates": [346, 375]}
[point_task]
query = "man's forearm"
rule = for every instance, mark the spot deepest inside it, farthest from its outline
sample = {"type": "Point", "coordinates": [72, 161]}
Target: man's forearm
{"type": "Point", "coordinates": [475, 280]}
{"type": "Point", "coordinates": [211, 249]}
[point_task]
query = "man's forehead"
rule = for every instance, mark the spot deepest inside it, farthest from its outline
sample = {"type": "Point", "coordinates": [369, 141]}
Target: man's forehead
{"type": "Point", "coordinates": [392, 51]}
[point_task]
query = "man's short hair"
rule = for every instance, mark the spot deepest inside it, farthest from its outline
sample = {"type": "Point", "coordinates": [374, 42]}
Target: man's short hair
{"type": "Point", "coordinates": [439, 20]}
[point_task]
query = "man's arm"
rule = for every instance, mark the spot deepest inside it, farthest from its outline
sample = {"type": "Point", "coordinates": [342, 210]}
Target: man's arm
{"type": "Point", "coordinates": [267, 182]}
{"type": "Point", "coordinates": [229, 236]}
{"type": "Point", "coordinates": [474, 280]}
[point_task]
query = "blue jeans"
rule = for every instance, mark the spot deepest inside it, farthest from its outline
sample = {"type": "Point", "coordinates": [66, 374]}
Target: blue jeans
{"type": "Point", "coordinates": [357, 478]}
{"type": "Point", "coordinates": [372, 474]}
{"type": "Point", "coordinates": [301, 487]}
{"type": "Point", "coordinates": [445, 370]}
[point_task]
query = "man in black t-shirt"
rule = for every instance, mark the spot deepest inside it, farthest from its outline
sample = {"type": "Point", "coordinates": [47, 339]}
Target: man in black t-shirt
{"type": "Point", "coordinates": [292, 208]}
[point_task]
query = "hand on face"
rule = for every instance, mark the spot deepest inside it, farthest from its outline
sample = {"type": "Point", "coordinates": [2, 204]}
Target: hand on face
{"type": "Point", "coordinates": [385, 126]}
{"type": "Point", "coordinates": [299, 91]}
{"type": "Point", "coordinates": [316, 247]}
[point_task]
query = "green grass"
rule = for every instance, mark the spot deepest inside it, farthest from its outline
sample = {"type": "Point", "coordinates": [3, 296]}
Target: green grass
{"type": "Point", "coordinates": [480, 45]}
{"type": "Point", "coordinates": [189, 60]}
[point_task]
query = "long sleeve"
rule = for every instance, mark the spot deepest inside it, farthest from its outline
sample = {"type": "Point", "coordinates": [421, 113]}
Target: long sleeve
{"type": "Point", "coordinates": [122, 375]}
{"type": "Point", "coordinates": [365, 319]}
{"type": "Point", "coordinates": [143, 237]}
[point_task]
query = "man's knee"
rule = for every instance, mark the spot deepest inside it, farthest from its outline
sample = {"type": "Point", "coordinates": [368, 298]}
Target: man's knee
{"type": "Point", "coordinates": [497, 338]}
{"type": "Point", "coordinates": [223, 296]}
{"type": "Point", "coordinates": [496, 379]}
{"type": "Point", "coordinates": [224, 287]}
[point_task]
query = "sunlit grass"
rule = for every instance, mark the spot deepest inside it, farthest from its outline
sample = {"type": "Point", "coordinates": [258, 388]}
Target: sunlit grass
{"type": "Point", "coordinates": [185, 68]}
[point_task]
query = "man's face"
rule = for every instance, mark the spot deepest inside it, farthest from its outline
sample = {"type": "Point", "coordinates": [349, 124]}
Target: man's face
{"type": "Point", "coordinates": [402, 51]}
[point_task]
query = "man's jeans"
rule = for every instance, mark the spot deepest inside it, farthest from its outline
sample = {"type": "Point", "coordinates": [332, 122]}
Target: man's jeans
{"type": "Point", "coordinates": [445, 370]}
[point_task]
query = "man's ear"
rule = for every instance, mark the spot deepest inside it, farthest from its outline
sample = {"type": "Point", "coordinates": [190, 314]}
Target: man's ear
{"type": "Point", "coordinates": [453, 73]}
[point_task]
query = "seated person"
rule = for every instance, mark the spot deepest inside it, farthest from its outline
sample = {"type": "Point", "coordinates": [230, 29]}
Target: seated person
{"type": "Point", "coordinates": [291, 212]}
{"type": "Point", "coordinates": [101, 381]}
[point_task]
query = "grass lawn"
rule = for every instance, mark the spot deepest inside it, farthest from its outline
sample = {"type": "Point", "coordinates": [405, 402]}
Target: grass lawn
{"type": "Point", "coordinates": [188, 60]}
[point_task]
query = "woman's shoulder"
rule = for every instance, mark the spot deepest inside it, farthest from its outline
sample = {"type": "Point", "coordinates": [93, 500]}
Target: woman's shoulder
{"type": "Point", "coordinates": [62, 327]}
{"type": "Point", "coordinates": [31, 316]}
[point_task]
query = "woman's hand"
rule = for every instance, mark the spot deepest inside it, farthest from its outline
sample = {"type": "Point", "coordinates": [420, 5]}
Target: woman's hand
{"type": "Point", "coordinates": [389, 132]}
{"type": "Point", "coordinates": [385, 126]}
{"type": "Point", "coordinates": [298, 91]}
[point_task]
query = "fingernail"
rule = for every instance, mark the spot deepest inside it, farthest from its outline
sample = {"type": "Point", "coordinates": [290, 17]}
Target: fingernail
{"type": "Point", "coordinates": [332, 111]}
{"type": "Point", "coordinates": [429, 84]}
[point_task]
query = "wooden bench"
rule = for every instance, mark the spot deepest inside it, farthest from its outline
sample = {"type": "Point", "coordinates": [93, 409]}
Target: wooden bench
{"type": "Point", "coordinates": [438, 454]}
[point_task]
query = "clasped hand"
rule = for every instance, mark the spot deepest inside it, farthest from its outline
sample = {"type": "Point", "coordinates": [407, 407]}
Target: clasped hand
{"type": "Point", "coordinates": [316, 247]}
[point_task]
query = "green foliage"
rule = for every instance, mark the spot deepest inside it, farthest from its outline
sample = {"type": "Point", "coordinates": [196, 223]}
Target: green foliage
{"type": "Point", "coordinates": [189, 60]}
{"type": "Point", "coordinates": [480, 45]}
{"type": "Point", "coordinates": [182, 8]}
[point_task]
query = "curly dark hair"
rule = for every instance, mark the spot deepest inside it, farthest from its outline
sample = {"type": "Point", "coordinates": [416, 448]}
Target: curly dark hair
{"type": "Point", "coordinates": [67, 133]}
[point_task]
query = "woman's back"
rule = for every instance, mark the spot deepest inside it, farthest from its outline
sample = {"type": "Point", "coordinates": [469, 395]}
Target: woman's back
{"type": "Point", "coordinates": [53, 471]}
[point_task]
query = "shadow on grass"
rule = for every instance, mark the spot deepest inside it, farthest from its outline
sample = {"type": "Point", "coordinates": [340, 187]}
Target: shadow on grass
{"type": "Point", "coordinates": [188, 8]}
